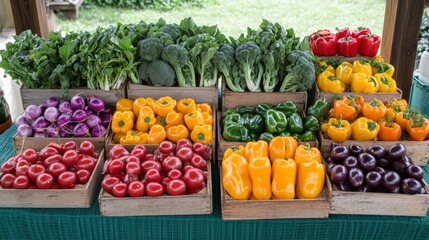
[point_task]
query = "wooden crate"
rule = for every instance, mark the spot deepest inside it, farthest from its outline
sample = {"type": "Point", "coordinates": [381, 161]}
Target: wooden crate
{"type": "Point", "coordinates": [39, 96]}
{"type": "Point", "coordinates": [79, 197]}
{"type": "Point", "coordinates": [416, 150]}
{"type": "Point", "coordinates": [192, 204]}
{"type": "Point", "coordinates": [273, 209]}
{"type": "Point", "coordinates": [382, 96]}
{"type": "Point", "coordinates": [199, 94]}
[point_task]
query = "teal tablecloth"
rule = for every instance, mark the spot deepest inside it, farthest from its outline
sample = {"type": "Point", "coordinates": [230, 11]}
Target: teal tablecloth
{"type": "Point", "coordinates": [18, 223]}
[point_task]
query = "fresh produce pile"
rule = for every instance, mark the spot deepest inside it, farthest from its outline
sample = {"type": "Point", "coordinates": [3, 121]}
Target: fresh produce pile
{"type": "Point", "coordinates": [55, 166]}
{"type": "Point", "coordinates": [345, 43]}
{"type": "Point", "coordinates": [351, 117]}
{"type": "Point", "coordinates": [149, 121]}
{"type": "Point", "coordinates": [77, 117]}
{"type": "Point", "coordinates": [375, 169]}
{"type": "Point", "coordinates": [365, 75]}
{"type": "Point", "coordinates": [171, 169]}
{"type": "Point", "coordinates": [246, 124]}
{"type": "Point", "coordinates": [280, 170]}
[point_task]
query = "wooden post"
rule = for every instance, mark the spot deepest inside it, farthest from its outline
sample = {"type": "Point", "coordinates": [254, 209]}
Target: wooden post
{"type": "Point", "coordinates": [400, 37]}
{"type": "Point", "coordinates": [30, 14]}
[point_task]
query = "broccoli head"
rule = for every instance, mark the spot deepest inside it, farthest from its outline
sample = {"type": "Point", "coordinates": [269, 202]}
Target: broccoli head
{"type": "Point", "coordinates": [173, 30]}
{"type": "Point", "coordinates": [224, 61]}
{"type": "Point", "coordinates": [248, 56]}
{"type": "Point", "coordinates": [161, 73]}
{"type": "Point", "coordinates": [177, 56]}
{"type": "Point", "coordinates": [150, 49]}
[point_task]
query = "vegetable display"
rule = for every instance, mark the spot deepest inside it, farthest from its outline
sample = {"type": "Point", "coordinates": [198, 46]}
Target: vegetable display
{"type": "Point", "coordinates": [375, 169]}
{"type": "Point", "coordinates": [171, 169]}
{"type": "Point", "coordinates": [77, 117]}
{"type": "Point", "coordinates": [55, 166]}
{"type": "Point", "coordinates": [278, 170]}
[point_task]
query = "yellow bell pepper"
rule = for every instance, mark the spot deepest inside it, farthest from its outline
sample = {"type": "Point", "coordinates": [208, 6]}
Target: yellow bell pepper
{"type": "Point", "coordinates": [236, 179]}
{"type": "Point", "coordinates": [157, 134]}
{"type": "Point", "coordinates": [338, 130]}
{"type": "Point", "coordinates": [186, 105]}
{"type": "Point", "coordinates": [284, 176]}
{"type": "Point", "coordinates": [194, 119]}
{"type": "Point", "coordinates": [310, 180]}
{"type": "Point", "coordinates": [305, 153]}
{"type": "Point", "coordinates": [234, 150]}
{"type": "Point", "coordinates": [260, 175]}
{"type": "Point", "coordinates": [202, 134]}
{"type": "Point", "coordinates": [204, 107]}
{"type": "Point", "coordinates": [208, 118]}
{"type": "Point", "coordinates": [124, 104]}
{"type": "Point", "coordinates": [323, 66]}
{"type": "Point", "coordinates": [174, 118]}
{"type": "Point", "coordinates": [386, 82]}
{"type": "Point", "coordinates": [327, 82]}
{"type": "Point", "coordinates": [150, 102]}
{"type": "Point", "coordinates": [364, 129]}
{"type": "Point", "coordinates": [122, 121]}
{"type": "Point", "coordinates": [134, 137]}
{"type": "Point", "coordinates": [164, 105]}
{"type": "Point", "coordinates": [344, 72]}
{"type": "Point", "coordinates": [282, 147]}
{"type": "Point", "coordinates": [117, 137]}
{"type": "Point", "coordinates": [137, 104]}
{"type": "Point", "coordinates": [175, 133]}
{"type": "Point", "coordinates": [161, 121]}
{"type": "Point", "coordinates": [364, 83]}
{"type": "Point", "coordinates": [374, 110]}
{"type": "Point", "coordinates": [146, 119]}
{"type": "Point", "coordinates": [256, 149]}
{"type": "Point", "coordinates": [362, 66]}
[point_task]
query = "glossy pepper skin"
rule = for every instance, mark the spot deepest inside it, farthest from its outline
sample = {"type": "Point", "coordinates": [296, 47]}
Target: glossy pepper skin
{"type": "Point", "coordinates": [348, 107]}
{"type": "Point", "coordinates": [124, 104]}
{"type": "Point", "coordinates": [232, 117]}
{"type": "Point", "coordinates": [137, 104]}
{"type": "Point", "coordinates": [347, 46]}
{"type": "Point", "coordinates": [174, 118]}
{"type": "Point", "coordinates": [338, 130]}
{"type": "Point", "coordinates": [344, 72]}
{"type": "Point", "coordinates": [323, 43]}
{"type": "Point", "coordinates": [295, 124]}
{"type": "Point", "coordinates": [364, 129]}
{"type": "Point", "coordinates": [164, 105]}
{"type": "Point", "coordinates": [266, 136]}
{"type": "Point", "coordinates": [204, 107]}
{"type": "Point", "coordinates": [194, 119]}
{"type": "Point", "coordinates": [418, 128]}
{"type": "Point", "coordinates": [305, 153]}
{"type": "Point", "coordinates": [327, 82]}
{"type": "Point", "coordinates": [311, 124]}
{"type": "Point", "coordinates": [374, 110]}
{"type": "Point", "coordinates": [402, 118]}
{"type": "Point", "coordinates": [245, 109]}
{"type": "Point", "coordinates": [202, 134]}
{"type": "Point", "coordinates": [134, 137]}
{"type": "Point", "coordinates": [368, 45]}
{"type": "Point", "coordinates": [122, 121]}
{"type": "Point", "coordinates": [262, 108]}
{"type": "Point", "coordinates": [156, 135]}
{"type": "Point", "coordinates": [275, 121]}
{"type": "Point", "coordinates": [256, 149]}
{"type": "Point", "coordinates": [306, 136]}
{"type": "Point", "coordinates": [386, 82]}
{"type": "Point", "coordinates": [260, 175]}
{"type": "Point", "coordinates": [284, 177]}
{"type": "Point", "coordinates": [186, 105]}
{"type": "Point", "coordinates": [389, 131]}
{"type": "Point", "coordinates": [254, 123]}
{"type": "Point", "coordinates": [146, 119]}
{"type": "Point", "coordinates": [363, 83]}
{"type": "Point", "coordinates": [362, 66]}
{"type": "Point", "coordinates": [282, 147]}
{"type": "Point", "coordinates": [319, 109]}
{"type": "Point", "coordinates": [175, 133]}
{"type": "Point", "coordinates": [361, 31]}
{"type": "Point", "coordinates": [234, 132]}
{"type": "Point", "coordinates": [227, 113]}
{"type": "Point", "coordinates": [287, 108]}
{"type": "Point", "coordinates": [310, 180]}
{"type": "Point", "coordinates": [234, 150]}
{"type": "Point", "coordinates": [382, 67]}
{"type": "Point", "coordinates": [236, 179]}
{"type": "Point", "coordinates": [208, 118]}
{"type": "Point", "coordinates": [117, 137]}
{"type": "Point", "coordinates": [342, 32]}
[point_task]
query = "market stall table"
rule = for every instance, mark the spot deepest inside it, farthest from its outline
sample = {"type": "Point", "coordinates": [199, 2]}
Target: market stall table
{"type": "Point", "coordinates": [89, 224]}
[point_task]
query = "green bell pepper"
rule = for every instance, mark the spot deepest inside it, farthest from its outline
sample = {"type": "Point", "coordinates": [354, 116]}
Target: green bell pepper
{"type": "Point", "coordinates": [262, 108]}
{"type": "Point", "coordinates": [234, 132]}
{"type": "Point", "coordinates": [275, 121]}
{"type": "Point", "coordinates": [252, 137]}
{"type": "Point", "coordinates": [311, 124]}
{"type": "Point", "coordinates": [234, 117]}
{"type": "Point", "coordinates": [286, 107]}
{"type": "Point", "coordinates": [294, 123]}
{"type": "Point", "coordinates": [227, 113]}
{"type": "Point", "coordinates": [306, 137]}
{"type": "Point", "coordinates": [256, 124]}
{"type": "Point", "coordinates": [4, 109]}
{"type": "Point", "coordinates": [319, 109]}
{"type": "Point", "coordinates": [244, 109]}
{"type": "Point", "coordinates": [245, 118]}
{"type": "Point", "coordinates": [284, 134]}
{"type": "Point", "coordinates": [266, 136]}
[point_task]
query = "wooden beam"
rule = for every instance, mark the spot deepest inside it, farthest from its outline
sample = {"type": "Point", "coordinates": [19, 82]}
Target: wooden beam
{"type": "Point", "coordinates": [388, 29]}
{"type": "Point", "coordinates": [30, 14]}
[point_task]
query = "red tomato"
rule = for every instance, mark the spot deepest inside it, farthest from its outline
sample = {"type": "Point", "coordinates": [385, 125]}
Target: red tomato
{"type": "Point", "coordinates": [33, 186]}
{"type": "Point", "coordinates": [116, 166]}
{"type": "Point", "coordinates": [175, 174]}
{"type": "Point", "coordinates": [56, 146]}
{"type": "Point", "coordinates": [7, 180]}
{"type": "Point", "coordinates": [150, 157]}
{"type": "Point", "coordinates": [154, 189]}
{"type": "Point", "coordinates": [161, 156]}
{"type": "Point", "coordinates": [86, 147]}
{"type": "Point", "coordinates": [132, 158]}
{"type": "Point", "coordinates": [19, 157]}
{"type": "Point", "coordinates": [171, 163]}
{"type": "Point", "coordinates": [135, 189]}
{"type": "Point", "coordinates": [55, 185]}
{"type": "Point", "coordinates": [152, 175]}
{"type": "Point", "coordinates": [118, 151]}
{"type": "Point", "coordinates": [128, 178]}
{"type": "Point", "coordinates": [139, 151]}
{"type": "Point", "coordinates": [55, 169]}
{"type": "Point", "coordinates": [70, 158]}
{"type": "Point", "coordinates": [67, 179]}
{"type": "Point", "coordinates": [35, 170]}
{"type": "Point", "coordinates": [109, 182]}
{"type": "Point", "coordinates": [176, 187]}
{"type": "Point", "coordinates": [202, 150]}
{"type": "Point", "coordinates": [82, 176]}
{"type": "Point", "coordinates": [30, 155]}
{"type": "Point", "coordinates": [22, 168]}
{"type": "Point", "coordinates": [165, 181]}
{"type": "Point", "coordinates": [47, 152]}
{"type": "Point", "coordinates": [183, 143]}
{"type": "Point", "coordinates": [44, 181]}
{"type": "Point", "coordinates": [133, 168]}
{"type": "Point", "coordinates": [85, 163]}
{"type": "Point", "coordinates": [193, 178]}
{"type": "Point", "coordinates": [52, 159]}
{"type": "Point", "coordinates": [22, 182]}
{"type": "Point", "coordinates": [145, 166]}
{"type": "Point", "coordinates": [119, 190]}
{"type": "Point", "coordinates": [70, 145]}
{"type": "Point", "coordinates": [166, 147]}
{"type": "Point", "coordinates": [198, 162]}
{"type": "Point", "coordinates": [9, 166]}
{"type": "Point", "coordinates": [184, 154]}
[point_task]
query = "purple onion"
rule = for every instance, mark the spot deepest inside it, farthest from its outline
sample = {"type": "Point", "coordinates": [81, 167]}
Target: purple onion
{"type": "Point", "coordinates": [98, 131]}
{"type": "Point", "coordinates": [95, 104]}
{"type": "Point", "coordinates": [108, 109]}
{"type": "Point", "coordinates": [21, 120]}
{"type": "Point", "coordinates": [77, 102]}
{"type": "Point", "coordinates": [105, 119]}
{"type": "Point", "coordinates": [64, 133]}
{"type": "Point", "coordinates": [51, 114]}
{"type": "Point", "coordinates": [89, 111]}
{"type": "Point", "coordinates": [40, 124]}
{"type": "Point", "coordinates": [39, 135]}
{"type": "Point", "coordinates": [65, 107]}
{"type": "Point", "coordinates": [52, 102]}
{"type": "Point", "coordinates": [52, 131]}
{"type": "Point", "coordinates": [79, 116]}
{"type": "Point", "coordinates": [93, 120]}
{"type": "Point", "coordinates": [25, 130]}
{"type": "Point", "coordinates": [32, 112]}
{"type": "Point", "coordinates": [64, 120]}
{"type": "Point", "coordinates": [81, 130]}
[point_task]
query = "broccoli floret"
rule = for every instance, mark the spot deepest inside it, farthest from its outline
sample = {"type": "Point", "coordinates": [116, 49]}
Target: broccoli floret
{"type": "Point", "coordinates": [165, 38]}
{"type": "Point", "coordinates": [150, 49]}
{"type": "Point", "coordinates": [301, 73]}
{"type": "Point", "coordinates": [248, 56]}
{"type": "Point", "coordinates": [161, 73]}
{"type": "Point", "coordinates": [142, 71]}
{"type": "Point", "coordinates": [173, 30]}
{"type": "Point", "coordinates": [177, 56]}
{"type": "Point", "coordinates": [224, 61]}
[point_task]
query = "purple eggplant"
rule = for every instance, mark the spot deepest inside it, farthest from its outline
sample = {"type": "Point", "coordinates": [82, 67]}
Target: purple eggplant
{"type": "Point", "coordinates": [383, 162]}
{"type": "Point", "coordinates": [377, 151]}
{"type": "Point", "coordinates": [391, 180]}
{"type": "Point", "coordinates": [355, 150]}
{"type": "Point", "coordinates": [364, 189]}
{"type": "Point", "coordinates": [380, 170]}
{"type": "Point", "coordinates": [414, 171]}
{"type": "Point", "coordinates": [339, 174]}
{"type": "Point", "coordinates": [339, 153]}
{"type": "Point", "coordinates": [344, 186]}
{"type": "Point", "coordinates": [350, 162]}
{"type": "Point", "coordinates": [329, 167]}
{"type": "Point", "coordinates": [355, 177]}
{"type": "Point", "coordinates": [410, 186]}
{"type": "Point", "coordinates": [373, 179]}
{"type": "Point", "coordinates": [396, 152]}
{"type": "Point", "coordinates": [395, 190]}
{"type": "Point", "coordinates": [366, 162]}
{"type": "Point", "coordinates": [401, 165]}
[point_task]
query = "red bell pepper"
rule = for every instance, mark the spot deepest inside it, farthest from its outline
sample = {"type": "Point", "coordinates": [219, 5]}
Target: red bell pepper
{"type": "Point", "coordinates": [323, 43]}
{"type": "Point", "coordinates": [342, 32]}
{"type": "Point", "coordinates": [360, 31]}
{"type": "Point", "coordinates": [347, 46]}
{"type": "Point", "coordinates": [368, 45]}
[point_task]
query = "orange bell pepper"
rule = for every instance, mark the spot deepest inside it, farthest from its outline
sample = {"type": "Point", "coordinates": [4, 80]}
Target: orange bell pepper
{"type": "Point", "coordinates": [260, 175]}
{"type": "Point", "coordinates": [282, 147]}
{"type": "Point", "coordinates": [348, 107]}
{"type": "Point", "coordinates": [305, 153]}
{"type": "Point", "coordinates": [202, 134]}
{"type": "Point", "coordinates": [150, 102]}
{"type": "Point", "coordinates": [256, 149]}
{"type": "Point", "coordinates": [122, 121]}
{"type": "Point", "coordinates": [117, 136]}
{"type": "Point", "coordinates": [137, 104]}
{"type": "Point", "coordinates": [146, 119]}
{"type": "Point", "coordinates": [161, 121]}
{"type": "Point", "coordinates": [186, 105]}
{"type": "Point", "coordinates": [124, 104]}
{"type": "Point", "coordinates": [174, 118]}
{"type": "Point", "coordinates": [194, 119]}
{"type": "Point", "coordinates": [157, 134]}
{"type": "Point", "coordinates": [234, 150]}
{"type": "Point", "coordinates": [374, 110]}
{"type": "Point", "coordinates": [208, 118]}
{"type": "Point", "coordinates": [204, 107]}
{"type": "Point", "coordinates": [284, 177]}
{"type": "Point", "coordinates": [403, 117]}
{"type": "Point", "coordinates": [310, 180]}
{"type": "Point", "coordinates": [389, 131]}
{"type": "Point", "coordinates": [175, 133]}
{"type": "Point", "coordinates": [164, 105]}
{"type": "Point", "coordinates": [418, 128]}
{"type": "Point", "coordinates": [236, 177]}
